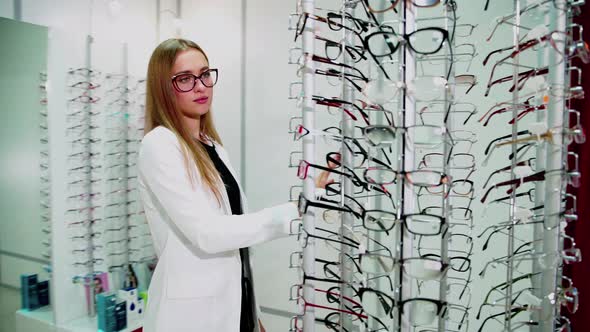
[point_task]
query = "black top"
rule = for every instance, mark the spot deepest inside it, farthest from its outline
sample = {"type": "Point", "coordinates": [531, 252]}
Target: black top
{"type": "Point", "coordinates": [233, 193]}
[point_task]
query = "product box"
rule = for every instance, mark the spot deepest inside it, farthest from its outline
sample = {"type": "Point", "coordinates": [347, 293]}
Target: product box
{"type": "Point", "coordinates": [134, 308]}
{"type": "Point", "coordinates": [28, 291]}
{"type": "Point", "coordinates": [144, 296]}
{"type": "Point", "coordinates": [140, 307]}
{"type": "Point", "coordinates": [121, 316]}
{"type": "Point", "coordinates": [106, 303]}
{"type": "Point", "coordinates": [43, 293]}
{"type": "Point", "coordinates": [98, 284]}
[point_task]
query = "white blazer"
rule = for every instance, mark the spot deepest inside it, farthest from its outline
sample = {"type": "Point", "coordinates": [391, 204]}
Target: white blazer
{"type": "Point", "coordinates": [197, 282]}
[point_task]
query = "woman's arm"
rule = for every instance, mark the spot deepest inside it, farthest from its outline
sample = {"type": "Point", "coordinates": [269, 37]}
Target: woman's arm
{"type": "Point", "coordinates": [162, 170]}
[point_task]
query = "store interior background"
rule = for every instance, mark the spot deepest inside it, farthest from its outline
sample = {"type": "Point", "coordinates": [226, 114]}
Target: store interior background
{"type": "Point", "coordinates": [248, 41]}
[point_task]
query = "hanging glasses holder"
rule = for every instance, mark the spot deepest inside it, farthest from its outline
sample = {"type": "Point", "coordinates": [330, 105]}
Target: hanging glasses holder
{"type": "Point", "coordinates": [534, 291]}
{"type": "Point", "coordinates": [396, 146]}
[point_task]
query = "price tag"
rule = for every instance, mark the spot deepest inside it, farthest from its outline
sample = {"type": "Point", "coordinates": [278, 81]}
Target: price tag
{"type": "Point", "coordinates": [543, 5]}
{"type": "Point", "coordinates": [538, 128]}
{"type": "Point", "coordinates": [362, 249]}
{"type": "Point", "coordinates": [439, 81]}
{"type": "Point", "coordinates": [432, 265]}
{"type": "Point", "coordinates": [533, 300]}
{"type": "Point", "coordinates": [537, 32]}
{"type": "Point", "coordinates": [522, 214]}
{"type": "Point", "coordinates": [533, 84]}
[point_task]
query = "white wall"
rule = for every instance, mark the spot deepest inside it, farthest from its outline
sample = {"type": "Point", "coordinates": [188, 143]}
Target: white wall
{"type": "Point", "coordinates": [216, 26]}
{"type": "Point", "coordinates": [7, 8]}
{"type": "Point", "coordinates": [21, 238]}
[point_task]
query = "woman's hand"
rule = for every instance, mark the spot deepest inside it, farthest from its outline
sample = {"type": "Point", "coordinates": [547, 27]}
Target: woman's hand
{"type": "Point", "coordinates": [261, 326]}
{"type": "Point", "coordinates": [323, 178]}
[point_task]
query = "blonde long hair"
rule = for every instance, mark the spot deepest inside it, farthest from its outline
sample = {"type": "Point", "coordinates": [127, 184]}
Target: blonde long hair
{"type": "Point", "coordinates": [161, 110]}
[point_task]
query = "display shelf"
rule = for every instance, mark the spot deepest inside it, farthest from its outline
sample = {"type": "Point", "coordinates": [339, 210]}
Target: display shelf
{"type": "Point", "coordinates": [88, 324]}
{"type": "Point", "coordinates": [41, 320]}
{"type": "Point", "coordinates": [91, 206]}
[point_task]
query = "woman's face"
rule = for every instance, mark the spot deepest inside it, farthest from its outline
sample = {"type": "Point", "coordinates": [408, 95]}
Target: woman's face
{"type": "Point", "coordinates": [197, 101]}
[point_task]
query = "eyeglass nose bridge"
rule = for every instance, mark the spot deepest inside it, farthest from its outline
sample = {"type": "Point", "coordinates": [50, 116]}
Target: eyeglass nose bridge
{"type": "Point", "coordinates": [198, 80]}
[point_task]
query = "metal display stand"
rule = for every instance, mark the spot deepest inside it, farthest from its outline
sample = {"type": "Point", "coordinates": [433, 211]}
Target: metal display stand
{"type": "Point", "coordinates": [548, 95]}
{"type": "Point", "coordinates": [308, 148]}
{"type": "Point", "coordinates": [94, 222]}
{"type": "Point", "coordinates": [347, 160]}
{"type": "Point", "coordinates": [405, 289]}
{"type": "Point", "coordinates": [449, 302]}
{"type": "Point", "coordinates": [407, 74]}
{"type": "Point", "coordinates": [554, 161]}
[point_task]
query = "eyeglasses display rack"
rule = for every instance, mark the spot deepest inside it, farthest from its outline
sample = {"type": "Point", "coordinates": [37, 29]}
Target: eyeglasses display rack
{"type": "Point", "coordinates": [308, 119]}
{"type": "Point", "coordinates": [535, 292]}
{"type": "Point", "coordinates": [397, 218]}
{"type": "Point", "coordinates": [44, 190]}
{"type": "Point", "coordinates": [388, 246]}
{"type": "Point", "coordinates": [100, 240]}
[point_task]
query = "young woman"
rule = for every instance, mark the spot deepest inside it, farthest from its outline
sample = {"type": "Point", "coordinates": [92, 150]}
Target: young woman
{"type": "Point", "coordinates": [194, 206]}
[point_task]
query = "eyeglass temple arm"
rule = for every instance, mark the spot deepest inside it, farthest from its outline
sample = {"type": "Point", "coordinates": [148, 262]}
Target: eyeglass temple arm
{"type": "Point", "coordinates": [519, 84]}
{"type": "Point", "coordinates": [496, 172]}
{"type": "Point", "coordinates": [504, 183]}
{"type": "Point", "coordinates": [522, 132]}
{"type": "Point", "coordinates": [522, 77]}
{"type": "Point", "coordinates": [525, 104]}
{"type": "Point", "coordinates": [524, 147]}
{"type": "Point", "coordinates": [539, 176]}
{"type": "Point", "coordinates": [547, 135]}
{"type": "Point", "coordinates": [487, 58]}
{"type": "Point", "coordinates": [527, 111]}
{"type": "Point", "coordinates": [326, 206]}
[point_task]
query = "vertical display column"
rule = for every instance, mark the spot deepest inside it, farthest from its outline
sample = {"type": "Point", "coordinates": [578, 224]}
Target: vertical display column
{"type": "Point", "coordinates": [308, 147]}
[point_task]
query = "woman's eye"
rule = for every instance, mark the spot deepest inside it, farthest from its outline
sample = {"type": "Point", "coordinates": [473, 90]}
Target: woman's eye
{"type": "Point", "coordinates": [184, 79]}
{"type": "Point", "coordinates": [206, 74]}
